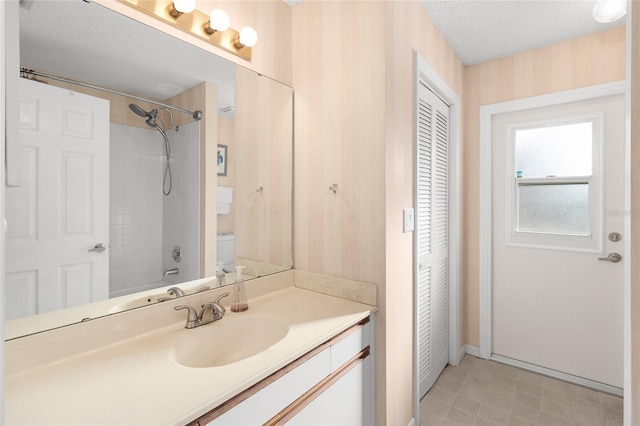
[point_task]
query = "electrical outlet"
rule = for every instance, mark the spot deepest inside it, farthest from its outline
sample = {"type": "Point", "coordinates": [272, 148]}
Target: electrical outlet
{"type": "Point", "coordinates": [408, 221]}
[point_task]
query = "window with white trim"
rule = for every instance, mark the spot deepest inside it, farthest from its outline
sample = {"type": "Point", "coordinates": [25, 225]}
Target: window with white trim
{"type": "Point", "coordinates": [556, 184]}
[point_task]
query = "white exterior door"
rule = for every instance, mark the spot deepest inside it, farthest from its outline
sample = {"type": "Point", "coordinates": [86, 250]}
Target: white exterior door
{"type": "Point", "coordinates": [558, 197]}
{"type": "Point", "coordinates": [432, 248]}
{"type": "Point", "coordinates": [61, 211]}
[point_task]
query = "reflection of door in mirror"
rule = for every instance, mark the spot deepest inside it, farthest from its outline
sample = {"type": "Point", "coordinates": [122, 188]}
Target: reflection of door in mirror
{"type": "Point", "coordinates": [60, 214]}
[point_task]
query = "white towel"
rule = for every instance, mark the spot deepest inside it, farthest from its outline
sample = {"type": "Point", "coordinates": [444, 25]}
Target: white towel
{"type": "Point", "coordinates": [225, 194]}
{"type": "Point", "coordinates": [223, 208]}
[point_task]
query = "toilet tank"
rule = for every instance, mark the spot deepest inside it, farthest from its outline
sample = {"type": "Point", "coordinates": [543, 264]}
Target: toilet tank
{"type": "Point", "coordinates": [226, 250]}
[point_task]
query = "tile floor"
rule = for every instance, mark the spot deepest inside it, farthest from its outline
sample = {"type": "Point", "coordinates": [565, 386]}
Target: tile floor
{"type": "Point", "coordinates": [481, 392]}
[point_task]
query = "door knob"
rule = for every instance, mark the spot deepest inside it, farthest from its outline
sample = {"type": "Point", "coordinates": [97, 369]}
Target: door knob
{"type": "Point", "coordinates": [615, 237]}
{"type": "Point", "coordinates": [98, 248]}
{"type": "Point", "coordinates": [612, 257]}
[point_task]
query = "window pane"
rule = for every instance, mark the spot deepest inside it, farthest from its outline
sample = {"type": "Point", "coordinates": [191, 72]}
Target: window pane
{"type": "Point", "coordinates": [555, 209]}
{"type": "Point", "coordinates": [563, 150]}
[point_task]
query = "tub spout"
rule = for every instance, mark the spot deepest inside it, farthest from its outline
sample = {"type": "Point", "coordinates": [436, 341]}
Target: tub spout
{"type": "Point", "coordinates": [172, 271]}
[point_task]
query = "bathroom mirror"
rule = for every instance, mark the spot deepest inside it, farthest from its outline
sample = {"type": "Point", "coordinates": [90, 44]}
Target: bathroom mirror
{"type": "Point", "coordinates": [229, 181]}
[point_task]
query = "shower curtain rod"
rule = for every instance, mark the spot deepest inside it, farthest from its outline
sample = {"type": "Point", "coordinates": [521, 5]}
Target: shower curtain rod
{"type": "Point", "coordinates": [197, 115]}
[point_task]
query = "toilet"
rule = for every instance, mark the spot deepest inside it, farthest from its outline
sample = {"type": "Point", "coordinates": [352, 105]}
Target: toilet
{"type": "Point", "coordinates": [226, 251]}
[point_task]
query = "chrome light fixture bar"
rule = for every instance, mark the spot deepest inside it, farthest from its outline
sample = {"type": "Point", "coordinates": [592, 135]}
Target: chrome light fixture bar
{"type": "Point", "coordinates": [198, 24]}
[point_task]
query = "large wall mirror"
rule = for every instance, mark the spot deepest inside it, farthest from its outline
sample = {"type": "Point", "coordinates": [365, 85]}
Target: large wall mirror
{"type": "Point", "coordinates": [121, 199]}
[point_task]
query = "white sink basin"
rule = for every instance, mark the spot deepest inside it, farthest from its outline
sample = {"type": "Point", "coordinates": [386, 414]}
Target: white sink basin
{"type": "Point", "coordinates": [227, 341]}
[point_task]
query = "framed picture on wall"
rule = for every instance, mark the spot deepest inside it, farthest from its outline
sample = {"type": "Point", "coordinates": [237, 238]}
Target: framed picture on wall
{"type": "Point", "coordinates": [222, 160]}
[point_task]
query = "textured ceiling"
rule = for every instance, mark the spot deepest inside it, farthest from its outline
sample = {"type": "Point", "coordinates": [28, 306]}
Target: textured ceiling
{"type": "Point", "coordinates": [87, 42]}
{"type": "Point", "coordinates": [481, 30]}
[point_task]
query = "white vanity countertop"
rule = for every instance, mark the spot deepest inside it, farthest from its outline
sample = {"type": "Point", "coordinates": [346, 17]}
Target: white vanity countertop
{"type": "Point", "coordinates": [136, 382]}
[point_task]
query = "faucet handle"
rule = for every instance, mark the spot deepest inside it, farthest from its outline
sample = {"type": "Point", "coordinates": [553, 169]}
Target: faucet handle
{"type": "Point", "coordinates": [221, 297]}
{"type": "Point", "coordinates": [192, 316]}
{"type": "Point", "coordinates": [175, 291]}
{"type": "Point", "coordinates": [218, 309]}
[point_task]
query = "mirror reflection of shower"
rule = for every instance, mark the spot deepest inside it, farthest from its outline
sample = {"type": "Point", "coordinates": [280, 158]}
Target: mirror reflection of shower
{"type": "Point", "coordinates": [146, 225]}
{"type": "Point", "coordinates": [151, 120]}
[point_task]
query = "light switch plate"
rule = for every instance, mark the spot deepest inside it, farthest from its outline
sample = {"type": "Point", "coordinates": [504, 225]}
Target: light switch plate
{"type": "Point", "coordinates": [408, 221]}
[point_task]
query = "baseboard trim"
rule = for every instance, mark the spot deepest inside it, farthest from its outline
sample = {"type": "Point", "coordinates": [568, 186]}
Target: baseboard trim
{"type": "Point", "coordinates": [472, 350]}
{"type": "Point", "coordinates": [602, 387]}
{"type": "Point", "coordinates": [461, 354]}
{"type": "Point", "coordinates": [412, 422]}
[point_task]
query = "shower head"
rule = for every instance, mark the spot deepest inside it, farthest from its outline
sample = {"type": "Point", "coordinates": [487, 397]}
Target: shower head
{"type": "Point", "coordinates": [142, 113]}
{"type": "Point", "coordinates": [150, 116]}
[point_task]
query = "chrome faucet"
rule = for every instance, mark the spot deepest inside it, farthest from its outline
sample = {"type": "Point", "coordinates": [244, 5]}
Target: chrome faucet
{"type": "Point", "coordinates": [175, 291]}
{"type": "Point", "coordinates": [172, 271]}
{"type": "Point", "coordinates": [196, 320]}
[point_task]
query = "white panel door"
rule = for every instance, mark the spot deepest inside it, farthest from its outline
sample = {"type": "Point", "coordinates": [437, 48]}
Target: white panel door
{"type": "Point", "coordinates": [432, 250]}
{"type": "Point", "coordinates": [61, 211]}
{"type": "Point", "coordinates": [555, 304]}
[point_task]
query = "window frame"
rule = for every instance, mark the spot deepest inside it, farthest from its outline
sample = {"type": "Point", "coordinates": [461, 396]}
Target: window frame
{"type": "Point", "coordinates": [593, 241]}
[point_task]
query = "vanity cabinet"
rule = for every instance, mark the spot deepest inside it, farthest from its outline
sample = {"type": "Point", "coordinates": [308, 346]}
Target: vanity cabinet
{"type": "Point", "coordinates": [331, 384]}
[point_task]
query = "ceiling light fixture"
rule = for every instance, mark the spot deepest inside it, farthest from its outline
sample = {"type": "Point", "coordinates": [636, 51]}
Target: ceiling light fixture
{"type": "Point", "coordinates": [606, 11]}
{"type": "Point", "coordinates": [214, 28]}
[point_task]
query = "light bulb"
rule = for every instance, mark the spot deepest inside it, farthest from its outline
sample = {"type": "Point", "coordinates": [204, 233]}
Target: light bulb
{"type": "Point", "coordinates": [184, 6]}
{"type": "Point", "coordinates": [248, 37]}
{"type": "Point", "coordinates": [219, 20]}
{"type": "Point", "coordinates": [606, 11]}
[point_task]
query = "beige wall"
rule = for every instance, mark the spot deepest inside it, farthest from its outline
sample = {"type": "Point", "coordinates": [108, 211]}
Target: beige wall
{"type": "Point", "coordinates": [586, 61]}
{"type": "Point", "coordinates": [354, 127]}
{"type": "Point", "coordinates": [263, 143]}
{"type": "Point", "coordinates": [339, 136]}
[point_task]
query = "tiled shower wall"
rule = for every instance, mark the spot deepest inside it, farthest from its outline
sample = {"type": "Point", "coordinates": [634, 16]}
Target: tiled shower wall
{"type": "Point", "coordinates": [137, 158]}
{"type": "Point", "coordinates": [181, 208]}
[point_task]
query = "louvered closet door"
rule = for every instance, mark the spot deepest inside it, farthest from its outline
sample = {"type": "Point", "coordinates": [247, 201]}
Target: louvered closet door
{"type": "Point", "coordinates": [432, 251]}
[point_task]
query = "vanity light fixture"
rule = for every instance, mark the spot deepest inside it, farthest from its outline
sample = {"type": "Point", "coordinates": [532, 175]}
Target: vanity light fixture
{"type": "Point", "coordinates": [606, 11]}
{"type": "Point", "coordinates": [213, 28]}
{"type": "Point", "coordinates": [247, 37]}
{"type": "Point", "coordinates": [218, 21]}
{"type": "Point", "coordinates": [178, 7]}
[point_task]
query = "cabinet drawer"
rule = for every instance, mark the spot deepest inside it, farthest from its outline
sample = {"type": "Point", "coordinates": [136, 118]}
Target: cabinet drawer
{"type": "Point", "coordinates": [270, 400]}
{"type": "Point", "coordinates": [344, 347]}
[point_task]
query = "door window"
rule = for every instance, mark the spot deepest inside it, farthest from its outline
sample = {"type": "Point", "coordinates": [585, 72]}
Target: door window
{"type": "Point", "coordinates": [555, 185]}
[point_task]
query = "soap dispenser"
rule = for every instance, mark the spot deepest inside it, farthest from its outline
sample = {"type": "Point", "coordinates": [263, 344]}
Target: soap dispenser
{"type": "Point", "coordinates": [240, 303]}
{"type": "Point", "coordinates": [220, 274]}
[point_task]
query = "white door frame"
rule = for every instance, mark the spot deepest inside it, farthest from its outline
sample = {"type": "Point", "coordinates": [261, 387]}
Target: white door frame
{"type": "Point", "coordinates": [425, 73]}
{"type": "Point", "coordinates": [3, 85]}
{"type": "Point", "coordinates": [485, 210]}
